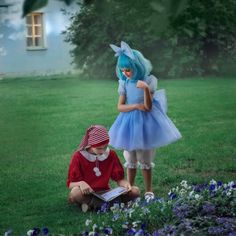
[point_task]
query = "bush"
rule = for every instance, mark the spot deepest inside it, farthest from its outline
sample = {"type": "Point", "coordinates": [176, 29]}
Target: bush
{"type": "Point", "coordinates": [190, 40]}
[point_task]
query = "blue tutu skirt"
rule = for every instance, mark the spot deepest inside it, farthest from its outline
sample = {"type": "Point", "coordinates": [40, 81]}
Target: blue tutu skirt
{"type": "Point", "coordinates": [140, 130]}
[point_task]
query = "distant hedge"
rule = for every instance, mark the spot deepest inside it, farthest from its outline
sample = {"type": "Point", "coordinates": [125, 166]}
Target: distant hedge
{"type": "Point", "coordinates": [181, 37]}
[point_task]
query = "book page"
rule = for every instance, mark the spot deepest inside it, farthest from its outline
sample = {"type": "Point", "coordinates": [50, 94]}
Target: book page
{"type": "Point", "coordinates": [110, 195]}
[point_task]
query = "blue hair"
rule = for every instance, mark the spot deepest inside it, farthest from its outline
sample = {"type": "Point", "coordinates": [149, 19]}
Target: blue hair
{"type": "Point", "coordinates": [140, 66]}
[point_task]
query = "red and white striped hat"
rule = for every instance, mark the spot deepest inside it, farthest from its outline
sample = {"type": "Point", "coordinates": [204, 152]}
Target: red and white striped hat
{"type": "Point", "coordinates": [95, 136]}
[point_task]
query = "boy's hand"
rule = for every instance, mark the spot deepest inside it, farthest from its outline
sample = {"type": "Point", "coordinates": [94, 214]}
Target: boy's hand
{"type": "Point", "coordinates": [85, 188]}
{"type": "Point", "coordinates": [124, 183]}
{"type": "Point", "coordinates": [141, 84]}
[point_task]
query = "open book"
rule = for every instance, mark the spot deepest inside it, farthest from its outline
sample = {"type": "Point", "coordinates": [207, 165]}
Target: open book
{"type": "Point", "coordinates": [111, 194]}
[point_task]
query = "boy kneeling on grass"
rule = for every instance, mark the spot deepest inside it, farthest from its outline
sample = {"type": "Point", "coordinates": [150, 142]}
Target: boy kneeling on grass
{"type": "Point", "coordinates": [91, 168]}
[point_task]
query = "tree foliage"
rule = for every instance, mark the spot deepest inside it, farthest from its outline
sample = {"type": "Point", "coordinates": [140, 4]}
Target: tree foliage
{"type": "Point", "coordinates": [30, 6]}
{"type": "Point", "coordinates": [181, 38]}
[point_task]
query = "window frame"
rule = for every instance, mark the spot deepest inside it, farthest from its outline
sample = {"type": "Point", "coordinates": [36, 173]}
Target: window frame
{"type": "Point", "coordinates": [34, 36]}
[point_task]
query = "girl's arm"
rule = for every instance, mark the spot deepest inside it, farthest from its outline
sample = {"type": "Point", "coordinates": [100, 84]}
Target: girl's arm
{"type": "Point", "coordinates": [122, 107]}
{"type": "Point", "coordinates": [147, 95]}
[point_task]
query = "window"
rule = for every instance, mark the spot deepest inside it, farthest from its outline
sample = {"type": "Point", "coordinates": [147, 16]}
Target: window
{"type": "Point", "coordinates": [35, 32]}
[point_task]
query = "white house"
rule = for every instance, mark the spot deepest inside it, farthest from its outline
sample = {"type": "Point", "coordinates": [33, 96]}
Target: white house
{"type": "Point", "coordinates": [34, 45]}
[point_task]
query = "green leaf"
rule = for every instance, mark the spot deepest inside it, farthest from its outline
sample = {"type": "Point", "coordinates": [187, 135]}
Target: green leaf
{"type": "Point", "coordinates": [67, 2]}
{"type": "Point", "coordinates": [30, 6]}
{"type": "Point", "coordinates": [177, 6]}
{"type": "Point", "coordinates": [157, 7]}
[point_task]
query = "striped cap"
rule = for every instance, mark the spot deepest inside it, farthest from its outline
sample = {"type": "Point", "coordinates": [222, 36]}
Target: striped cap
{"type": "Point", "coordinates": [96, 135]}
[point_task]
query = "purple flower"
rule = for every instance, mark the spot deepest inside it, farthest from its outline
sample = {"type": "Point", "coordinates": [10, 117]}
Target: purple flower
{"type": "Point", "coordinates": [185, 226]}
{"type": "Point", "coordinates": [116, 217]}
{"type": "Point", "coordinates": [172, 196]}
{"type": "Point", "coordinates": [232, 233]}
{"type": "Point", "coordinates": [219, 183]}
{"type": "Point", "coordinates": [107, 230]}
{"type": "Point", "coordinates": [221, 220]}
{"type": "Point", "coordinates": [181, 211]}
{"type": "Point", "coordinates": [139, 232]}
{"type": "Point", "coordinates": [143, 226]}
{"type": "Point", "coordinates": [131, 231]}
{"type": "Point", "coordinates": [45, 231]}
{"type": "Point", "coordinates": [212, 187]}
{"type": "Point", "coordinates": [36, 231]}
{"type": "Point", "coordinates": [199, 187]}
{"type": "Point", "coordinates": [155, 233]}
{"type": "Point", "coordinates": [104, 208]}
{"type": "Point", "coordinates": [167, 230]}
{"type": "Point", "coordinates": [208, 208]}
{"type": "Point", "coordinates": [215, 230]}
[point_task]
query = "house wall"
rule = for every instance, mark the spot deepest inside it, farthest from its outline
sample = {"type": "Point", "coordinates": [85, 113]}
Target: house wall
{"type": "Point", "coordinates": [16, 60]}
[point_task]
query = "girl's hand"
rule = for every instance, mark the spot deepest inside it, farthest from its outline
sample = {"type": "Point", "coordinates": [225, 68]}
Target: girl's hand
{"type": "Point", "coordinates": [85, 188]}
{"type": "Point", "coordinates": [141, 84]}
{"type": "Point", "coordinates": [141, 107]}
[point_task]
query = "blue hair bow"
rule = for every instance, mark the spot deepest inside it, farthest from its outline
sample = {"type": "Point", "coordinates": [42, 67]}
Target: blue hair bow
{"type": "Point", "coordinates": [124, 49]}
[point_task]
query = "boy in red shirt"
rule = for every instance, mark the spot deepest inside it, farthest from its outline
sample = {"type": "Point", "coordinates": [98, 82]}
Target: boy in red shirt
{"type": "Point", "coordinates": [91, 168]}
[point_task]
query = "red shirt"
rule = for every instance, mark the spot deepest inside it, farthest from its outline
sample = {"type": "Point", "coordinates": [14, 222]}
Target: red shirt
{"type": "Point", "coordinates": [81, 169]}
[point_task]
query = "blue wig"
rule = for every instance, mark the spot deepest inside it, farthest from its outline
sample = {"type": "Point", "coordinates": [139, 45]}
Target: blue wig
{"type": "Point", "coordinates": [140, 66]}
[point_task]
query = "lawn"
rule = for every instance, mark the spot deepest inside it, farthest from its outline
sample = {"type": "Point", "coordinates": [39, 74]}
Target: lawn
{"type": "Point", "coordinates": [43, 120]}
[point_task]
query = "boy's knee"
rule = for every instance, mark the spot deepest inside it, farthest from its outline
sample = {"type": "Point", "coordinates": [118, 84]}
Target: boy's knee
{"type": "Point", "coordinates": [135, 192]}
{"type": "Point", "coordinates": [75, 195]}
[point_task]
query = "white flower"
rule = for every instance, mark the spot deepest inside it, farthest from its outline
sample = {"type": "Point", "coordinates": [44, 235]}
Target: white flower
{"type": "Point", "coordinates": [129, 204]}
{"type": "Point", "coordinates": [191, 193]}
{"type": "Point", "coordinates": [145, 210]}
{"type": "Point", "coordinates": [115, 206]}
{"type": "Point", "coordinates": [8, 232]}
{"type": "Point", "coordinates": [30, 232]}
{"type": "Point", "coordinates": [172, 190]}
{"type": "Point", "coordinates": [197, 196]}
{"type": "Point", "coordinates": [135, 224]}
{"type": "Point", "coordinates": [129, 212]}
{"type": "Point", "coordinates": [183, 183]}
{"type": "Point", "coordinates": [230, 184]}
{"type": "Point", "coordinates": [94, 227]}
{"type": "Point", "coordinates": [125, 226]}
{"type": "Point", "coordinates": [213, 182]}
{"type": "Point", "coordinates": [88, 222]}
{"type": "Point", "coordinates": [182, 192]}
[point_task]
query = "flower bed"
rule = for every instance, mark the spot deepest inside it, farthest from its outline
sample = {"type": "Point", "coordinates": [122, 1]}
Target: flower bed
{"type": "Point", "coordinates": [205, 209]}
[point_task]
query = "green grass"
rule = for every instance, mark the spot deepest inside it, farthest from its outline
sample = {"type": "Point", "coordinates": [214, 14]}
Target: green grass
{"type": "Point", "coordinates": [42, 122]}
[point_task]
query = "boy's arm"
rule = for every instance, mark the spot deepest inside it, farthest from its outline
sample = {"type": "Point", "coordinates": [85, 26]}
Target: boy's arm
{"type": "Point", "coordinates": [84, 187]}
{"type": "Point", "coordinates": [124, 183]}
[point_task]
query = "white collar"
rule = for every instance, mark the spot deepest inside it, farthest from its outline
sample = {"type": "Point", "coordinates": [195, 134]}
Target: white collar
{"type": "Point", "coordinates": [92, 157]}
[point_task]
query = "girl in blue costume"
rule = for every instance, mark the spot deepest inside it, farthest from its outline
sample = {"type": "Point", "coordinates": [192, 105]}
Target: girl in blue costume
{"type": "Point", "coordinates": [142, 124]}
